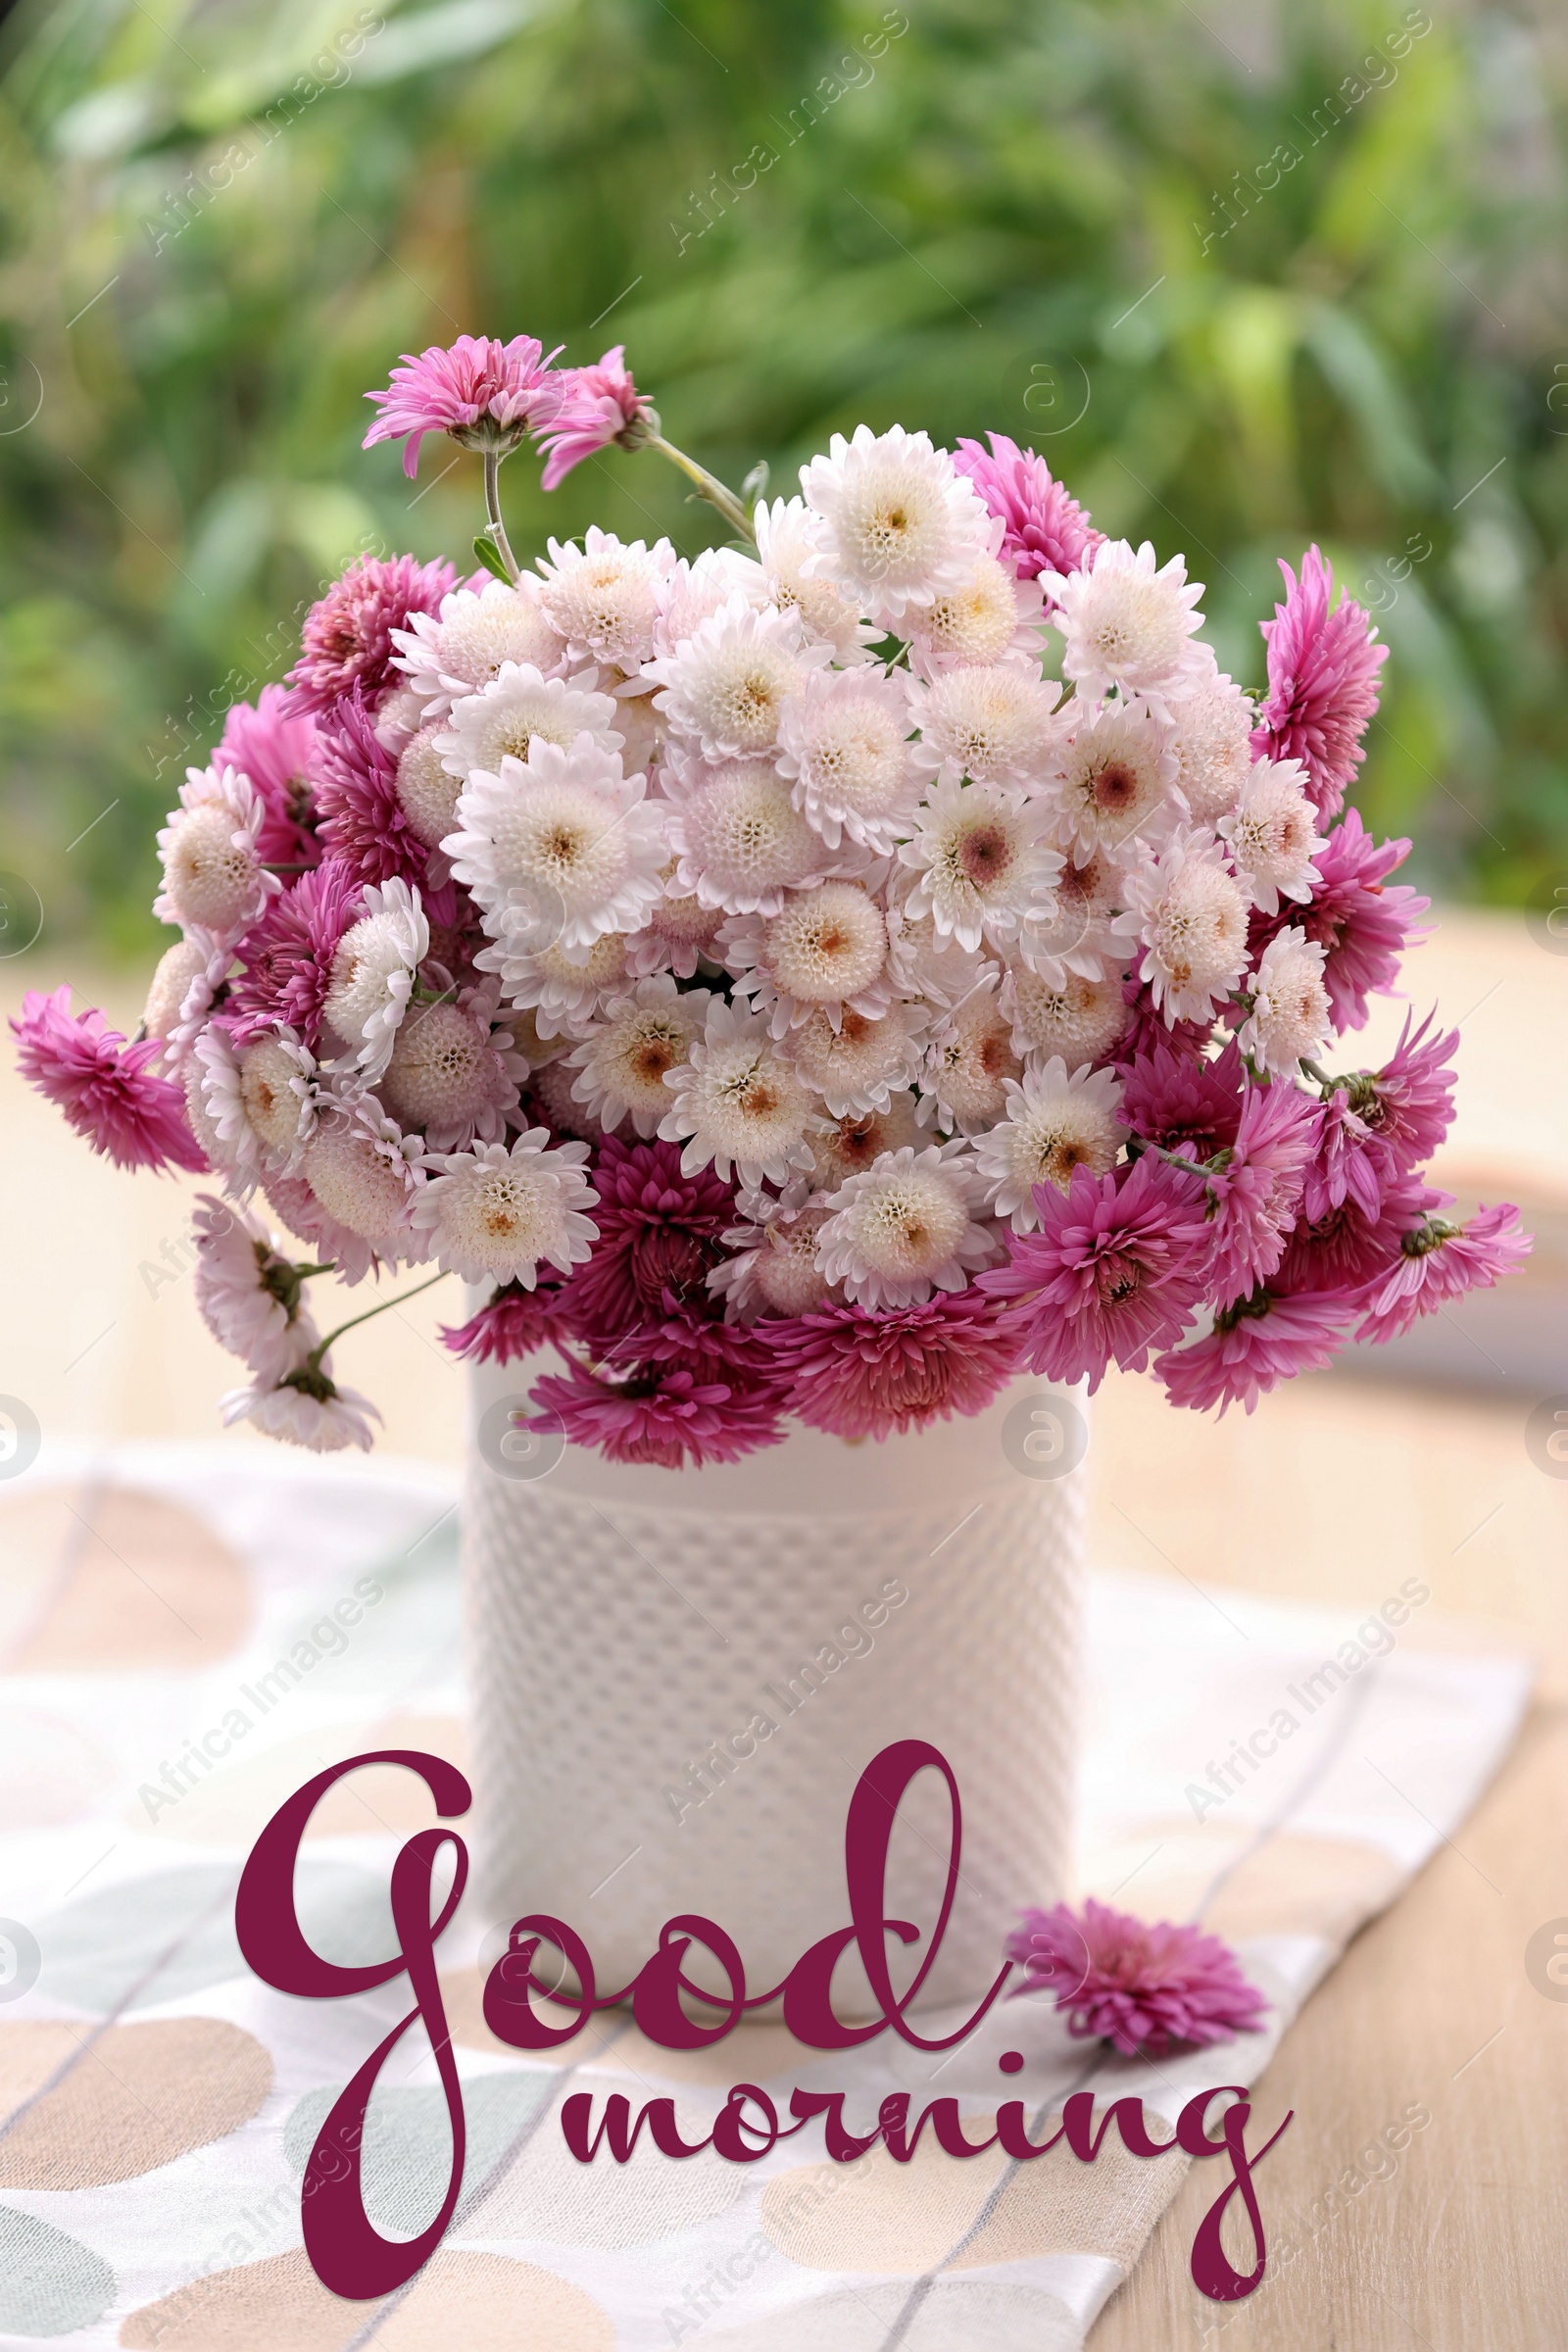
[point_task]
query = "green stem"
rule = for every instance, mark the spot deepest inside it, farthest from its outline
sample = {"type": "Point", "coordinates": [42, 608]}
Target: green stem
{"type": "Point", "coordinates": [491, 509]}
{"type": "Point", "coordinates": [710, 487]}
{"type": "Point", "coordinates": [313, 1359]}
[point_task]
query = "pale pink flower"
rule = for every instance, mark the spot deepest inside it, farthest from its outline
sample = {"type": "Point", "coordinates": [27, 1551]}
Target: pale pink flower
{"type": "Point", "coordinates": [486, 393]}
{"type": "Point", "coordinates": [304, 1405]}
{"type": "Point", "coordinates": [248, 1293]}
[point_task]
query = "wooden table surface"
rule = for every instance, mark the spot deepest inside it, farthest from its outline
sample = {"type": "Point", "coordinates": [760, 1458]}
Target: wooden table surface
{"type": "Point", "coordinates": [1454, 2238]}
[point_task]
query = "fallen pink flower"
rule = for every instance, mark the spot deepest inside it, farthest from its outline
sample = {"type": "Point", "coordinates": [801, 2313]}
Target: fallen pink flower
{"type": "Point", "coordinates": [1141, 1987]}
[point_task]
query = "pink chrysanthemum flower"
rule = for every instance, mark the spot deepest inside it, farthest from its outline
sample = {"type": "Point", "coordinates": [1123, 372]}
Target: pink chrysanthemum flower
{"type": "Point", "coordinates": [347, 637]}
{"type": "Point", "coordinates": [1169, 1098]}
{"type": "Point", "coordinates": [363, 818]}
{"type": "Point", "coordinates": [1114, 1271]}
{"type": "Point", "coordinates": [1378, 1126]}
{"type": "Point", "coordinates": [1322, 682]}
{"type": "Point", "coordinates": [513, 1322]}
{"type": "Point", "coordinates": [1413, 1106]}
{"type": "Point", "coordinates": [862, 1375]}
{"type": "Point", "coordinates": [485, 393]}
{"type": "Point", "coordinates": [1439, 1260]}
{"type": "Point", "coordinates": [1255, 1193]}
{"type": "Point", "coordinates": [1351, 1248]}
{"type": "Point", "coordinates": [1255, 1343]}
{"type": "Point", "coordinates": [273, 744]}
{"type": "Point", "coordinates": [597, 405]}
{"type": "Point", "coordinates": [664, 1413]}
{"type": "Point", "coordinates": [287, 955]}
{"type": "Point", "coordinates": [106, 1088]}
{"type": "Point", "coordinates": [1043, 528]}
{"type": "Point", "coordinates": [1141, 1987]}
{"type": "Point", "coordinates": [1365, 923]}
{"type": "Point", "coordinates": [659, 1236]}
{"type": "Point", "coordinates": [1147, 1027]}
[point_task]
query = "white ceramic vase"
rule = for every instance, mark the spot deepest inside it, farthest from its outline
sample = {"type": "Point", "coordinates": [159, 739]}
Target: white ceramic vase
{"type": "Point", "coordinates": [678, 1678]}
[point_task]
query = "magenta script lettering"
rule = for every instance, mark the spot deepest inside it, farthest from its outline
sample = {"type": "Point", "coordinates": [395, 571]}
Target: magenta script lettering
{"type": "Point", "coordinates": [351, 2257]}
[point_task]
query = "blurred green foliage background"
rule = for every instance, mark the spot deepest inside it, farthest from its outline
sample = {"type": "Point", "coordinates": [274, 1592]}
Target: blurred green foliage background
{"type": "Point", "coordinates": [1247, 272]}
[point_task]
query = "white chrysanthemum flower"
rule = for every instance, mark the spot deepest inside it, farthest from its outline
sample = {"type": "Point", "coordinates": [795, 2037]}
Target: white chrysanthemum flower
{"type": "Point", "coordinates": [738, 1101]}
{"type": "Point", "coordinates": [856, 1063]}
{"type": "Point", "coordinates": [788, 535]}
{"type": "Point", "coordinates": [725, 685]}
{"type": "Point", "coordinates": [642, 727]}
{"type": "Point", "coordinates": [1126, 624]}
{"type": "Point", "coordinates": [303, 1403]}
{"type": "Point", "coordinates": [826, 949]}
{"type": "Point", "coordinates": [1080, 936]}
{"type": "Point", "coordinates": [427, 792]}
{"type": "Point", "coordinates": [924, 961]}
{"type": "Point", "coordinates": [843, 745]}
{"type": "Point", "coordinates": [364, 1172]}
{"type": "Point", "coordinates": [623, 1062]}
{"type": "Point", "coordinates": [213, 871]}
{"type": "Point", "coordinates": [984, 864]}
{"type": "Point", "coordinates": [248, 1293]}
{"type": "Point", "coordinates": [680, 932]}
{"type": "Point", "coordinates": [1272, 834]}
{"type": "Point", "coordinates": [261, 1099]}
{"type": "Point", "coordinates": [774, 1269]}
{"type": "Point", "coordinates": [519, 704]}
{"type": "Point", "coordinates": [1113, 780]}
{"type": "Point", "coordinates": [551, 1090]}
{"type": "Point", "coordinates": [992, 723]}
{"type": "Point", "coordinates": [1081, 1020]}
{"type": "Point", "coordinates": [493, 1213]}
{"type": "Point", "coordinates": [994, 616]}
{"type": "Point", "coordinates": [739, 838]}
{"type": "Point", "coordinates": [527, 1041]}
{"type": "Point", "coordinates": [1188, 913]}
{"type": "Point", "coordinates": [562, 846]}
{"type": "Point", "coordinates": [179, 1000]}
{"type": "Point", "coordinates": [968, 1064]}
{"type": "Point", "coordinates": [605, 596]}
{"type": "Point", "coordinates": [1054, 1122]}
{"type": "Point", "coordinates": [901, 525]}
{"type": "Point", "coordinates": [1291, 1019]}
{"type": "Point", "coordinates": [192, 1077]}
{"type": "Point", "coordinates": [561, 993]}
{"type": "Point", "coordinates": [1212, 737]}
{"type": "Point", "coordinates": [695, 592]}
{"type": "Point", "coordinates": [454, 1074]}
{"type": "Point", "coordinates": [452, 654]}
{"type": "Point", "coordinates": [374, 972]}
{"type": "Point", "coordinates": [856, 1142]}
{"type": "Point", "coordinates": [399, 716]}
{"type": "Point", "coordinates": [907, 1228]}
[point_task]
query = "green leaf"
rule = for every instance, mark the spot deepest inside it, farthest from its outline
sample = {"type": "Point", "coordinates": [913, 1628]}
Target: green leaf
{"type": "Point", "coordinates": [489, 554]}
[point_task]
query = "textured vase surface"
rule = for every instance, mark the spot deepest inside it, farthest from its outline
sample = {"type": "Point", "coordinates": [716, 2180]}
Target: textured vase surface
{"type": "Point", "coordinates": [679, 1676]}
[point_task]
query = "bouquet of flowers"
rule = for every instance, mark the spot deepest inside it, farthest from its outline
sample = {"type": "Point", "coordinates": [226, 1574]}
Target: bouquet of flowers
{"type": "Point", "coordinates": [766, 980]}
